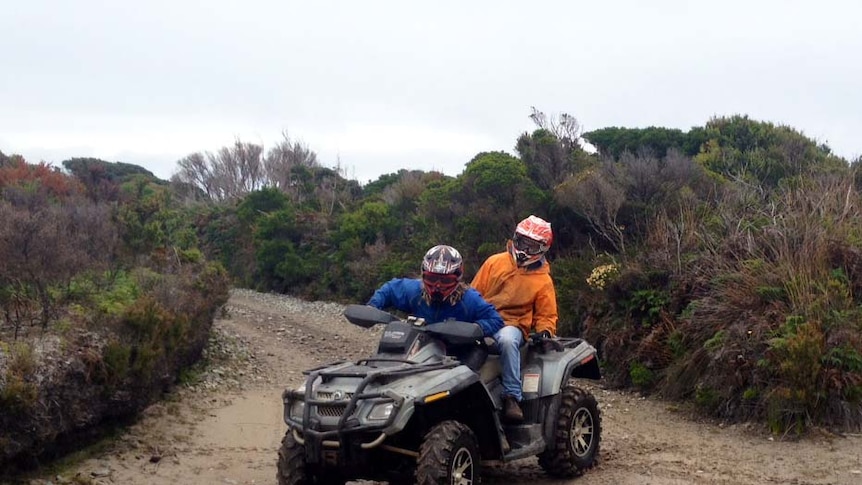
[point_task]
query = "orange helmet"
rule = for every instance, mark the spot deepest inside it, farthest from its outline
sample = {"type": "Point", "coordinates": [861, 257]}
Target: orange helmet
{"type": "Point", "coordinates": [532, 239]}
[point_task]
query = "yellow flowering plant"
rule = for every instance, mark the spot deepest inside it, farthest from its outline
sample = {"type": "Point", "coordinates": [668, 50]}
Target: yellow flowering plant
{"type": "Point", "coordinates": [602, 275]}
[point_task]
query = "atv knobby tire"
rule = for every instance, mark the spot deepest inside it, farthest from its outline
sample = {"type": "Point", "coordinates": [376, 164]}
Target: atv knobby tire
{"type": "Point", "coordinates": [578, 434]}
{"type": "Point", "coordinates": [449, 455]}
{"type": "Point", "coordinates": [292, 469]}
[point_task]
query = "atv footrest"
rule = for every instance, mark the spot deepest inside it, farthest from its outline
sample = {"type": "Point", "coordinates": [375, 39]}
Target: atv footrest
{"type": "Point", "coordinates": [525, 440]}
{"type": "Point", "coordinates": [523, 435]}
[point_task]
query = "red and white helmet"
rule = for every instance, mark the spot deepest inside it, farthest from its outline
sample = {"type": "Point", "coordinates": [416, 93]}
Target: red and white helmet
{"type": "Point", "coordinates": [532, 239]}
{"type": "Point", "coordinates": [441, 271]}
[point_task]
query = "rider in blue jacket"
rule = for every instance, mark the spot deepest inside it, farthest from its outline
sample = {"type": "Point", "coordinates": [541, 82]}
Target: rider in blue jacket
{"type": "Point", "coordinates": [440, 295]}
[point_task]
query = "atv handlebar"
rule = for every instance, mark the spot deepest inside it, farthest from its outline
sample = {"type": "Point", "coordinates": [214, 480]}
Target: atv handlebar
{"type": "Point", "coordinates": [455, 332]}
{"type": "Point", "coordinates": [451, 331]}
{"type": "Point", "coordinates": [367, 316]}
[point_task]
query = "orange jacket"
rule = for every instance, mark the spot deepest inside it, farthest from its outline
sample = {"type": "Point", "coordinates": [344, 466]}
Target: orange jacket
{"type": "Point", "coordinates": [523, 297]}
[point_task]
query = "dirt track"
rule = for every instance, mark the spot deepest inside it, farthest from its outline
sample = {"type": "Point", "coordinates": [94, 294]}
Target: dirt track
{"type": "Point", "coordinates": [226, 429]}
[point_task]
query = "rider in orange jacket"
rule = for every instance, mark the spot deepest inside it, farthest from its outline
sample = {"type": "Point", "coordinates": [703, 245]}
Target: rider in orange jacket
{"type": "Point", "coordinates": [518, 283]}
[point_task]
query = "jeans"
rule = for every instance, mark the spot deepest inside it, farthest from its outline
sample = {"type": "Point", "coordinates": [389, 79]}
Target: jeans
{"type": "Point", "coordinates": [508, 344]}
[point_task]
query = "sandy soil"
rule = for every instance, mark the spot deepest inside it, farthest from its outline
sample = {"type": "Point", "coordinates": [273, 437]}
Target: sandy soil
{"type": "Point", "coordinates": [227, 429]}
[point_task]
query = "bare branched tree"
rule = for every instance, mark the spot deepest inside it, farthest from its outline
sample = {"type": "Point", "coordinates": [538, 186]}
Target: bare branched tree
{"type": "Point", "coordinates": [328, 188]}
{"type": "Point", "coordinates": [281, 165]}
{"type": "Point", "coordinates": [553, 151]}
{"type": "Point", "coordinates": [404, 194]}
{"type": "Point", "coordinates": [227, 174]}
{"type": "Point", "coordinates": [563, 126]}
{"type": "Point", "coordinates": [195, 171]}
{"type": "Point", "coordinates": [237, 170]}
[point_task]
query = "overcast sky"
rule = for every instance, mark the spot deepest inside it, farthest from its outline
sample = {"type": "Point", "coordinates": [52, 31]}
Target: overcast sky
{"type": "Point", "coordinates": [400, 84]}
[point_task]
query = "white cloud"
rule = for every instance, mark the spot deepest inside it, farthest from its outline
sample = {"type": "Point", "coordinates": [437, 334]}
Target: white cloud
{"type": "Point", "coordinates": [364, 151]}
{"type": "Point", "coordinates": [388, 85]}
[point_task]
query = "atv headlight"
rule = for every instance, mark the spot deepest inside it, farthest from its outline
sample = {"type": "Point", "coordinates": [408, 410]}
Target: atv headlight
{"type": "Point", "coordinates": [296, 409]}
{"type": "Point", "coordinates": [381, 412]}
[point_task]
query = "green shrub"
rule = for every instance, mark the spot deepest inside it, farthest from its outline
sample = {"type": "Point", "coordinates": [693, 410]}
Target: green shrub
{"type": "Point", "coordinates": [80, 288]}
{"type": "Point", "coordinates": [145, 321]}
{"type": "Point", "coordinates": [122, 293]}
{"type": "Point", "coordinates": [116, 357]}
{"type": "Point", "coordinates": [676, 343]}
{"type": "Point", "coordinates": [716, 341]}
{"type": "Point", "coordinates": [192, 255]}
{"type": "Point", "coordinates": [19, 392]}
{"type": "Point", "coordinates": [845, 358]}
{"type": "Point", "coordinates": [689, 310]}
{"type": "Point", "coordinates": [706, 397]}
{"type": "Point", "coordinates": [796, 356]}
{"type": "Point", "coordinates": [646, 305]}
{"type": "Point", "coordinates": [770, 293]}
{"type": "Point", "coordinates": [641, 376]}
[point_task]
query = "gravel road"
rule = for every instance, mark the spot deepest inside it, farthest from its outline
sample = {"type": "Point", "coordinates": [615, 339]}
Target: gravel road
{"type": "Point", "coordinates": [224, 427]}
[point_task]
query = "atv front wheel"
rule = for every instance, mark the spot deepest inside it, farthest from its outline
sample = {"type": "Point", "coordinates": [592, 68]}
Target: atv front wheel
{"type": "Point", "coordinates": [292, 469]}
{"type": "Point", "coordinates": [449, 455]}
{"type": "Point", "coordinates": [579, 429]}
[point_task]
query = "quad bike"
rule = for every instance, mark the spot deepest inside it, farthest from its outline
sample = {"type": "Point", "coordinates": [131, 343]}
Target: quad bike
{"type": "Point", "coordinates": [413, 414]}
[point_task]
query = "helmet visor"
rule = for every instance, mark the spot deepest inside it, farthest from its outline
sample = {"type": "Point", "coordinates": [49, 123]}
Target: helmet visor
{"type": "Point", "coordinates": [527, 245]}
{"type": "Point", "coordinates": [439, 285]}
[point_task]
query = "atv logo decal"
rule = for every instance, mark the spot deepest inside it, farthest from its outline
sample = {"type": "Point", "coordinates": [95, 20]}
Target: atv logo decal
{"type": "Point", "coordinates": [338, 395]}
{"type": "Point", "coordinates": [393, 334]}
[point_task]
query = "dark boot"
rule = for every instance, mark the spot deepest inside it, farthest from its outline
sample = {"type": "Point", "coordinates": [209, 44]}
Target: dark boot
{"type": "Point", "coordinates": [511, 410]}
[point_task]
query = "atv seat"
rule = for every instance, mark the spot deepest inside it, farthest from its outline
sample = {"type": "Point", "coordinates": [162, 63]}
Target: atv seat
{"type": "Point", "coordinates": [493, 368]}
{"type": "Point", "coordinates": [473, 356]}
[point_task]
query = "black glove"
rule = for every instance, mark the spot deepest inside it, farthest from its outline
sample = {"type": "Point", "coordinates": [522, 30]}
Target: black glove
{"type": "Point", "coordinates": [545, 334]}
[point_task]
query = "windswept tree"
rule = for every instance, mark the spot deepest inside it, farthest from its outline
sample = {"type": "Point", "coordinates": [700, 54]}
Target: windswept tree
{"type": "Point", "coordinates": [654, 141]}
{"type": "Point", "coordinates": [281, 163]}
{"type": "Point", "coordinates": [403, 194]}
{"type": "Point", "coordinates": [228, 174]}
{"type": "Point", "coordinates": [102, 179]}
{"type": "Point", "coordinates": [553, 151]}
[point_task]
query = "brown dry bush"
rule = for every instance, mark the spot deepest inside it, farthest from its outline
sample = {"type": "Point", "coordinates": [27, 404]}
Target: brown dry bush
{"type": "Point", "coordinates": [42, 247]}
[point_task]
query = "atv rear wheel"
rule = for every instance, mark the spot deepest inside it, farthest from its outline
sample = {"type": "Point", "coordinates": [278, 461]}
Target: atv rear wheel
{"type": "Point", "coordinates": [449, 455]}
{"type": "Point", "coordinates": [292, 469]}
{"type": "Point", "coordinates": [578, 434]}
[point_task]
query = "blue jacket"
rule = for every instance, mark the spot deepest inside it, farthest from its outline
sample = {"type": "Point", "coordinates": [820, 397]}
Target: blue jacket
{"type": "Point", "coordinates": [405, 294]}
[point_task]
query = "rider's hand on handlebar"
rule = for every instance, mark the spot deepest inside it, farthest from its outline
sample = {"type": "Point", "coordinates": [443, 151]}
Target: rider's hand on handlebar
{"type": "Point", "coordinates": [548, 342]}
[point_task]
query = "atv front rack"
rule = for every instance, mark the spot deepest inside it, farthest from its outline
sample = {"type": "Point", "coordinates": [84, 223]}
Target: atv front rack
{"type": "Point", "coordinates": [315, 438]}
